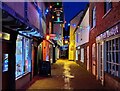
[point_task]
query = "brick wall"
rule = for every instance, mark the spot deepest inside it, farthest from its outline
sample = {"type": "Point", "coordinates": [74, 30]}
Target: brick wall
{"type": "Point", "coordinates": [103, 22]}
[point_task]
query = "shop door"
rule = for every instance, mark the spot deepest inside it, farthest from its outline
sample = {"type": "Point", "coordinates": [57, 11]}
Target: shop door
{"type": "Point", "coordinates": [88, 58]}
{"type": "Point", "coordinates": [100, 62]}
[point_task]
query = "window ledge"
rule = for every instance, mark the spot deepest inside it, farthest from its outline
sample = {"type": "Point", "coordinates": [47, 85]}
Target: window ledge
{"type": "Point", "coordinates": [107, 13]}
{"type": "Point", "coordinates": [22, 75]}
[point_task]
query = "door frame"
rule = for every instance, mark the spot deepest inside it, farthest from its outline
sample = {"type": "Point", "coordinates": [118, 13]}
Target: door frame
{"type": "Point", "coordinates": [88, 60]}
{"type": "Point", "coordinates": [100, 58]}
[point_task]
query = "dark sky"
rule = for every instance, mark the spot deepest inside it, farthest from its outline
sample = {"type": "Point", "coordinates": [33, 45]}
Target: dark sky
{"type": "Point", "coordinates": [71, 9]}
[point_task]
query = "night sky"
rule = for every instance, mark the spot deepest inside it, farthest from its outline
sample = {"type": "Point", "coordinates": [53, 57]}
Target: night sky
{"type": "Point", "coordinates": [71, 9]}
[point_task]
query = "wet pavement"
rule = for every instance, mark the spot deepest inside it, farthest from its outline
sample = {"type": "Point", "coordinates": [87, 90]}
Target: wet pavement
{"type": "Point", "coordinates": [67, 75]}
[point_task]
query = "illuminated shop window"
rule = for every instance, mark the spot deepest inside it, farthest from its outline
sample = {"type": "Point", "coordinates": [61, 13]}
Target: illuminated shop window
{"type": "Point", "coordinates": [23, 59]}
{"type": "Point", "coordinates": [112, 57]}
{"type": "Point", "coordinates": [5, 63]}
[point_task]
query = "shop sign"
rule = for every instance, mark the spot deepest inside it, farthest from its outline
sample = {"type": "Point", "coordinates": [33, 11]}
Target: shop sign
{"type": "Point", "coordinates": [111, 32]}
{"type": "Point", "coordinates": [5, 36]}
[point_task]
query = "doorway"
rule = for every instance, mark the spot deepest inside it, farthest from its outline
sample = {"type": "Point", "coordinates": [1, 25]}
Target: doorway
{"type": "Point", "coordinates": [88, 58]}
{"type": "Point", "coordinates": [93, 60]}
{"type": "Point", "coordinates": [100, 48]}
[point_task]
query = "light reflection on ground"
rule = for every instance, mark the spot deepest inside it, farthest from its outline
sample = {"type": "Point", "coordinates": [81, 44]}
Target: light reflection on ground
{"type": "Point", "coordinates": [66, 73]}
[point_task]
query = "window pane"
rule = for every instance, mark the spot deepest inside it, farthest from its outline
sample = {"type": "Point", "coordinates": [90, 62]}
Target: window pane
{"type": "Point", "coordinates": [117, 44]}
{"type": "Point", "coordinates": [23, 58]}
{"type": "Point", "coordinates": [117, 57]}
{"type": "Point", "coordinates": [107, 66]}
{"type": "Point", "coordinates": [94, 17]}
{"type": "Point", "coordinates": [112, 56]}
{"type": "Point", "coordinates": [108, 6]}
{"type": "Point", "coordinates": [19, 51]}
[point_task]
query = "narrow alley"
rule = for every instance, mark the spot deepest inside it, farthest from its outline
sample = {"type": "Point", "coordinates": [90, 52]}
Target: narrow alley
{"type": "Point", "coordinates": [59, 45]}
{"type": "Point", "coordinates": [67, 75]}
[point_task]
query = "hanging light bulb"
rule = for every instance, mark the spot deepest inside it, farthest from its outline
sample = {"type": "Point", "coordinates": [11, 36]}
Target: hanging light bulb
{"type": "Point", "coordinates": [52, 17]}
{"type": "Point", "coordinates": [47, 10]}
{"type": "Point", "coordinates": [68, 24]}
{"type": "Point", "coordinates": [50, 6]}
{"type": "Point", "coordinates": [58, 3]}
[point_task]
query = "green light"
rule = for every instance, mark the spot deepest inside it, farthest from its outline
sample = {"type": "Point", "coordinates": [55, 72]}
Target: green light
{"type": "Point", "coordinates": [80, 27]}
{"type": "Point", "coordinates": [57, 3]}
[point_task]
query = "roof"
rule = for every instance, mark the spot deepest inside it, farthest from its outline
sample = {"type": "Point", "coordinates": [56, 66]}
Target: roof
{"type": "Point", "coordinates": [84, 12]}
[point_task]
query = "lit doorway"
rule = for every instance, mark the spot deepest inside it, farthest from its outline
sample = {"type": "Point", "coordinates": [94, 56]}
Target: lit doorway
{"type": "Point", "coordinates": [100, 69]}
{"type": "Point", "coordinates": [88, 58]}
{"type": "Point", "coordinates": [93, 60]}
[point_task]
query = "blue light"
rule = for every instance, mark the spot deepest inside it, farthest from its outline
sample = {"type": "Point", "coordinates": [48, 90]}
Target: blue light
{"type": "Point", "coordinates": [47, 10]}
{"type": "Point", "coordinates": [58, 19]}
{"type": "Point", "coordinates": [68, 24]}
{"type": "Point", "coordinates": [74, 25]}
{"type": "Point", "coordinates": [45, 13]}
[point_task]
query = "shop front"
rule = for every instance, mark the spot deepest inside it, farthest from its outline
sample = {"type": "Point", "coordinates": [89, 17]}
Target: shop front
{"type": "Point", "coordinates": [8, 58]}
{"type": "Point", "coordinates": [108, 59]}
{"type": "Point", "coordinates": [23, 60]}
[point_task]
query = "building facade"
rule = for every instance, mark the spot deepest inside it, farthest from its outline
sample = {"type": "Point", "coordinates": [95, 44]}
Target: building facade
{"type": "Point", "coordinates": [21, 34]}
{"type": "Point", "coordinates": [82, 39]}
{"type": "Point", "coordinates": [73, 25]}
{"type": "Point", "coordinates": [104, 42]}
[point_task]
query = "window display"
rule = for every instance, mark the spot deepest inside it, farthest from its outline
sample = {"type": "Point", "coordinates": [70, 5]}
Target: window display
{"type": "Point", "coordinates": [23, 58]}
{"type": "Point", "coordinates": [5, 63]}
{"type": "Point", "coordinates": [19, 56]}
{"type": "Point", "coordinates": [112, 57]}
{"type": "Point", "coordinates": [27, 56]}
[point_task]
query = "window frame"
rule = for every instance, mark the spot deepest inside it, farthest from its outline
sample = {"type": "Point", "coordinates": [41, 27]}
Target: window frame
{"type": "Point", "coordinates": [112, 63]}
{"type": "Point", "coordinates": [93, 23]}
{"type": "Point", "coordinates": [25, 69]}
{"type": "Point", "coordinates": [107, 6]}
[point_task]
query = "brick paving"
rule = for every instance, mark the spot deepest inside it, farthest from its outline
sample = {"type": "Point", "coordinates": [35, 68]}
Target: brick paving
{"type": "Point", "coordinates": [75, 78]}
